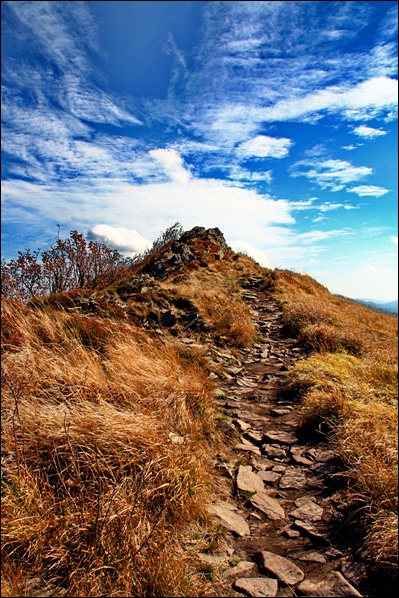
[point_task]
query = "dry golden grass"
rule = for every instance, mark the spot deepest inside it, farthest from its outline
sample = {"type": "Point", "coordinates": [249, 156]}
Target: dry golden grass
{"type": "Point", "coordinates": [109, 447]}
{"type": "Point", "coordinates": [350, 381]}
{"type": "Point", "coordinates": [218, 302]}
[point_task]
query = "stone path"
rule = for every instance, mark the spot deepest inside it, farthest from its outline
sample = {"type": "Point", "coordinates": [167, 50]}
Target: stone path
{"type": "Point", "coordinates": [282, 510]}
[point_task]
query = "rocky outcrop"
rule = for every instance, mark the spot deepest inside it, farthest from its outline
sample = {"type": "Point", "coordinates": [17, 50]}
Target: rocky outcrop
{"type": "Point", "coordinates": [196, 247]}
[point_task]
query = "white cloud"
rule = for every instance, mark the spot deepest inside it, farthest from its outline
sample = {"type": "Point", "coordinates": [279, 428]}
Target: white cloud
{"type": "Point", "coordinates": [259, 255]}
{"type": "Point", "coordinates": [330, 174]}
{"type": "Point", "coordinates": [364, 100]}
{"type": "Point", "coordinates": [349, 148]}
{"type": "Point", "coordinates": [150, 208]}
{"type": "Point", "coordinates": [129, 242]}
{"type": "Point", "coordinates": [263, 146]}
{"type": "Point", "coordinates": [369, 190]}
{"type": "Point", "coordinates": [394, 240]}
{"type": "Point", "coordinates": [368, 132]}
{"type": "Point", "coordinates": [172, 164]}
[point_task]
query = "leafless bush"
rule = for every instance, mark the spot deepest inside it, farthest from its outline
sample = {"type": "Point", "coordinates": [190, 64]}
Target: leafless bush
{"type": "Point", "coordinates": [72, 263]}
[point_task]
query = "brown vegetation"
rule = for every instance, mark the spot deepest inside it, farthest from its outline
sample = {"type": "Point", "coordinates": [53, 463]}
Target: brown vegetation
{"type": "Point", "coordinates": [108, 455]}
{"type": "Point", "coordinates": [110, 430]}
{"type": "Point", "coordinates": [350, 381]}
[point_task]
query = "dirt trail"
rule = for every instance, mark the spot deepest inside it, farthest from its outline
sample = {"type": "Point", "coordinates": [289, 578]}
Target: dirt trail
{"type": "Point", "coordinates": [285, 501]}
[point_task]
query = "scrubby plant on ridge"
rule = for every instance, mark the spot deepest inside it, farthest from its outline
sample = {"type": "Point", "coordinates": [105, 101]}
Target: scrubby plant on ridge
{"type": "Point", "coordinates": [72, 263]}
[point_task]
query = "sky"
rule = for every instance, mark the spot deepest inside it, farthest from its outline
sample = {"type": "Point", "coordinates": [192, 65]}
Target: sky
{"type": "Point", "coordinates": [273, 121]}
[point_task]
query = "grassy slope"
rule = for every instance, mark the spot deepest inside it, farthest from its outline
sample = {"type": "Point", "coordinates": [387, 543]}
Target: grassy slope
{"type": "Point", "coordinates": [350, 381]}
{"type": "Point", "coordinates": [110, 429]}
{"type": "Point", "coordinates": [110, 435]}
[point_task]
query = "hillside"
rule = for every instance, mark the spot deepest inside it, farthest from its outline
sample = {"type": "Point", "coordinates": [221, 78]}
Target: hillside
{"type": "Point", "coordinates": [116, 438]}
{"type": "Point", "coordinates": [391, 306]}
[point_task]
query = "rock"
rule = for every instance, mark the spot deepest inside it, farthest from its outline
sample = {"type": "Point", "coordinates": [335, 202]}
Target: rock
{"type": "Point", "coordinates": [299, 460]}
{"type": "Point", "coordinates": [332, 585]}
{"type": "Point", "coordinates": [274, 452]}
{"type": "Point", "coordinates": [241, 446]}
{"type": "Point", "coordinates": [279, 468]}
{"type": "Point", "coordinates": [321, 456]}
{"type": "Point", "coordinates": [234, 371]}
{"type": "Point", "coordinates": [296, 454]}
{"type": "Point", "coordinates": [325, 469]}
{"type": "Point", "coordinates": [307, 529]}
{"type": "Point", "coordinates": [291, 533]}
{"type": "Point", "coordinates": [269, 476]}
{"type": "Point", "coordinates": [254, 436]}
{"type": "Point", "coordinates": [308, 511]}
{"type": "Point", "coordinates": [232, 521]}
{"type": "Point", "coordinates": [268, 505]}
{"type": "Point", "coordinates": [278, 412]}
{"type": "Point", "coordinates": [242, 425]}
{"type": "Point", "coordinates": [313, 557]}
{"type": "Point", "coordinates": [242, 569]}
{"type": "Point", "coordinates": [281, 437]}
{"type": "Point", "coordinates": [248, 481]}
{"type": "Point", "coordinates": [281, 567]}
{"type": "Point", "coordinates": [257, 586]}
{"type": "Point", "coordinates": [333, 553]}
{"type": "Point", "coordinates": [293, 477]}
{"type": "Point", "coordinates": [261, 464]}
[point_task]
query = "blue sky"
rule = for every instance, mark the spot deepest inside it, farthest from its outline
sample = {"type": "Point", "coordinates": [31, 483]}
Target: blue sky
{"type": "Point", "coordinates": [274, 121]}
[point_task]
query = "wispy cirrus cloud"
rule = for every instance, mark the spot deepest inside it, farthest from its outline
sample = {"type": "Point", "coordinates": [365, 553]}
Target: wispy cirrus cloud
{"type": "Point", "coordinates": [330, 174]}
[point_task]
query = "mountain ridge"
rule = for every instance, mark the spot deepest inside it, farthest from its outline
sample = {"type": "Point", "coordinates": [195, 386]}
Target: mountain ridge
{"type": "Point", "coordinates": [113, 426]}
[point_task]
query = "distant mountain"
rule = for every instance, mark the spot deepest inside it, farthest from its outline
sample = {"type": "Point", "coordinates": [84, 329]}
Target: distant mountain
{"type": "Point", "coordinates": [391, 306]}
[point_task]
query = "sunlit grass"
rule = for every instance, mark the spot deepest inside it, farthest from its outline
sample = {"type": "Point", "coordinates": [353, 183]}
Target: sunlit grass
{"type": "Point", "coordinates": [110, 450]}
{"type": "Point", "coordinates": [349, 381]}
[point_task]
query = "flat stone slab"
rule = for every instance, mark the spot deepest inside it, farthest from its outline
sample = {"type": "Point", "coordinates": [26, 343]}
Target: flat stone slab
{"type": "Point", "coordinates": [269, 476]}
{"type": "Point", "coordinates": [257, 586]}
{"type": "Point", "coordinates": [308, 511]}
{"type": "Point", "coordinates": [277, 412]}
{"type": "Point", "coordinates": [251, 448]}
{"type": "Point", "coordinates": [313, 557]}
{"type": "Point", "coordinates": [333, 585]}
{"type": "Point", "coordinates": [248, 481]}
{"type": "Point", "coordinates": [231, 520]}
{"type": "Point", "coordinates": [242, 569]}
{"type": "Point", "coordinates": [254, 436]}
{"type": "Point", "coordinates": [293, 477]}
{"type": "Point", "coordinates": [268, 505]}
{"type": "Point", "coordinates": [281, 437]}
{"type": "Point", "coordinates": [281, 567]}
